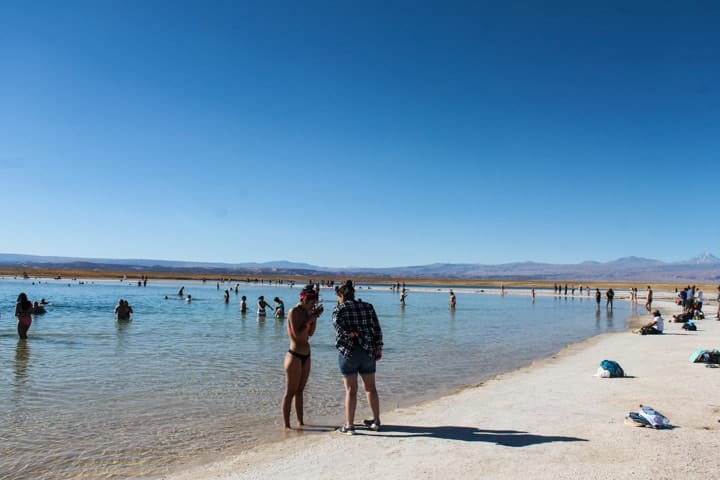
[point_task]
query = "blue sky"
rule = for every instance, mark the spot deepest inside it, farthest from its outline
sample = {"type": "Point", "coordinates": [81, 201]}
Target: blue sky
{"type": "Point", "coordinates": [344, 133]}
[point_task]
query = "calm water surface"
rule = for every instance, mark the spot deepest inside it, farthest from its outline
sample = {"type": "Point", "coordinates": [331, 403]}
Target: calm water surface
{"type": "Point", "coordinates": [88, 397]}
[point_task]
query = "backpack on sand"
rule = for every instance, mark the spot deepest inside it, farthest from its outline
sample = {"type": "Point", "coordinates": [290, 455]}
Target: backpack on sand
{"type": "Point", "coordinates": [613, 367]}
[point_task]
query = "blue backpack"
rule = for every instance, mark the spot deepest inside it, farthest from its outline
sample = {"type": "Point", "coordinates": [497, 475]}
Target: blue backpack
{"type": "Point", "coordinates": [689, 325]}
{"type": "Point", "coordinates": [613, 367]}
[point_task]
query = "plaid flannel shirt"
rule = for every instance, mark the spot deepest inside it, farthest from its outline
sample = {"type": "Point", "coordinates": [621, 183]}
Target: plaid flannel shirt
{"type": "Point", "coordinates": [353, 316]}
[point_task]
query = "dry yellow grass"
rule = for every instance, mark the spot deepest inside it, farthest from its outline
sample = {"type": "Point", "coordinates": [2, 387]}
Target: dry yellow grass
{"type": "Point", "coordinates": [136, 275]}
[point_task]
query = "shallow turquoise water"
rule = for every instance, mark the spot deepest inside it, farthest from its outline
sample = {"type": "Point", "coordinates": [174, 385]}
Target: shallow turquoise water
{"type": "Point", "coordinates": [88, 397]}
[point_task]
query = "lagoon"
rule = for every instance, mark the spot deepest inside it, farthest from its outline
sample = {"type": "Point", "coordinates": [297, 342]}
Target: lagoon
{"type": "Point", "coordinates": [184, 383]}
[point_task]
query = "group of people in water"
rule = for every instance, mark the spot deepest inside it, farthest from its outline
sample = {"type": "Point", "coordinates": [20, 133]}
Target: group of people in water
{"type": "Point", "coordinates": [262, 305]}
{"type": "Point", "coordinates": [25, 309]}
{"type": "Point", "coordinates": [358, 339]}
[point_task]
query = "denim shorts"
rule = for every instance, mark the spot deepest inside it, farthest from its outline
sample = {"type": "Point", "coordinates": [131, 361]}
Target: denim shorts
{"type": "Point", "coordinates": [360, 362]}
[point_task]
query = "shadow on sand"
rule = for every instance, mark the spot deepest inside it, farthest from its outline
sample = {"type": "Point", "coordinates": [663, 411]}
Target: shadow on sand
{"type": "Point", "coordinates": [507, 438]}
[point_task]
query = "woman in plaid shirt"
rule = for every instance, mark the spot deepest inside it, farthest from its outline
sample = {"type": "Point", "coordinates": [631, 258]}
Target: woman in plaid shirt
{"type": "Point", "coordinates": [359, 342]}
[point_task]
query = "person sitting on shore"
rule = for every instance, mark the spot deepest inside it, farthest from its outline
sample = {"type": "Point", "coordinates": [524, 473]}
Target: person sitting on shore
{"type": "Point", "coordinates": [682, 317]}
{"type": "Point", "coordinates": [653, 327]}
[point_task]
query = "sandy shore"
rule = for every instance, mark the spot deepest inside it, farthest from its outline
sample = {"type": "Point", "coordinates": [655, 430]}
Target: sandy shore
{"type": "Point", "coordinates": [551, 420]}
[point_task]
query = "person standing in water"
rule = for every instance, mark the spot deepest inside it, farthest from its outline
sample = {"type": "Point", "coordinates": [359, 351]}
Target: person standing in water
{"type": "Point", "coordinates": [123, 310]}
{"type": "Point", "coordinates": [279, 308]}
{"type": "Point", "coordinates": [23, 313]}
{"type": "Point", "coordinates": [302, 321]}
{"type": "Point", "coordinates": [359, 340]}
{"type": "Point", "coordinates": [243, 304]}
{"type": "Point", "coordinates": [649, 299]}
{"type": "Point", "coordinates": [262, 305]}
{"type": "Point", "coordinates": [452, 300]}
{"type": "Point", "coordinates": [610, 294]}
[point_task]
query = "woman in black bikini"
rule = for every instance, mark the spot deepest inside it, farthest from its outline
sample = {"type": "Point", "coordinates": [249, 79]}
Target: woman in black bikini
{"type": "Point", "coordinates": [302, 320]}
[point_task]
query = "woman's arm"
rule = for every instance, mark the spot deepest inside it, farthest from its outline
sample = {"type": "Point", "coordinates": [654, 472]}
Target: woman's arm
{"type": "Point", "coordinates": [314, 315]}
{"type": "Point", "coordinates": [311, 325]}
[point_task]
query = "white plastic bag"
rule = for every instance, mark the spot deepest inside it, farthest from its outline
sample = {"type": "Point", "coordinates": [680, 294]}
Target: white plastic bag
{"type": "Point", "coordinates": [602, 373]}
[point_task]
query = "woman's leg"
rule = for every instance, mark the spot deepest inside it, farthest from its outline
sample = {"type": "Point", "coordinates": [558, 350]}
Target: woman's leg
{"type": "Point", "coordinates": [299, 399]}
{"type": "Point", "coordinates": [372, 396]}
{"type": "Point", "coordinates": [350, 382]}
{"type": "Point", "coordinates": [293, 374]}
{"type": "Point", "coordinates": [22, 330]}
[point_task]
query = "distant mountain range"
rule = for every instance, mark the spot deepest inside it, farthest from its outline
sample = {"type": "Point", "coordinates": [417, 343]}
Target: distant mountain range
{"type": "Point", "coordinates": [702, 268]}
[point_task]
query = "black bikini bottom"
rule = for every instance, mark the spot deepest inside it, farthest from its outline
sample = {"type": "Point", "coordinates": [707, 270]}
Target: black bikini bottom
{"type": "Point", "coordinates": [303, 358]}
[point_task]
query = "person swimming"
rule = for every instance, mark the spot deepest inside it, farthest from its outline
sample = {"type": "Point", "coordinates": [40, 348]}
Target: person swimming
{"type": "Point", "coordinates": [38, 309]}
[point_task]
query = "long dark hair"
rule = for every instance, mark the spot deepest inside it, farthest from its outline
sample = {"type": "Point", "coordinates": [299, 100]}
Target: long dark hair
{"type": "Point", "coordinates": [309, 292]}
{"type": "Point", "coordinates": [23, 301]}
{"type": "Point", "coordinates": [346, 290]}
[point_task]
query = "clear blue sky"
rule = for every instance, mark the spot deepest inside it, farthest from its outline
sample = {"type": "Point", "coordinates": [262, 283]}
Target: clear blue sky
{"type": "Point", "coordinates": [373, 133]}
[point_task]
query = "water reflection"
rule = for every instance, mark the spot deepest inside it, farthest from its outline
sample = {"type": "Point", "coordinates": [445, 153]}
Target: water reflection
{"type": "Point", "coordinates": [123, 325]}
{"type": "Point", "coordinates": [22, 358]}
{"type": "Point", "coordinates": [597, 318]}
